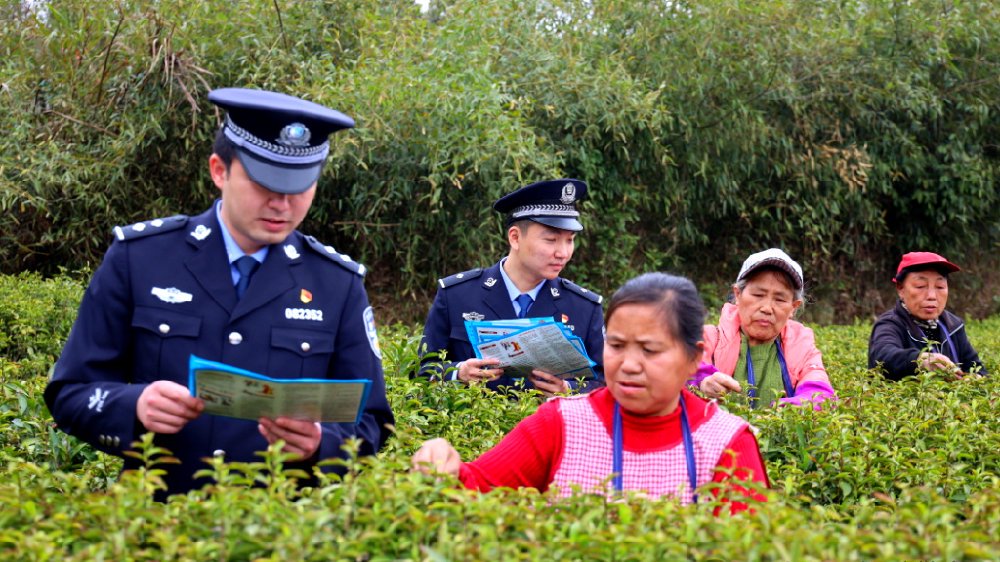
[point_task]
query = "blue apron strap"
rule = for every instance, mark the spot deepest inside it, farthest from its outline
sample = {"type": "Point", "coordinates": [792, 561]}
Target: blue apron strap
{"type": "Point", "coordinates": [751, 380]}
{"type": "Point", "coordinates": [692, 468]}
{"type": "Point", "coordinates": [618, 452]}
{"type": "Point", "coordinates": [786, 379]}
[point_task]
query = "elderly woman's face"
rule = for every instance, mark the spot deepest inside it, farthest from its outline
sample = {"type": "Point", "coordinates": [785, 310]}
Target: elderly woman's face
{"type": "Point", "coordinates": [765, 305]}
{"type": "Point", "coordinates": [925, 294]}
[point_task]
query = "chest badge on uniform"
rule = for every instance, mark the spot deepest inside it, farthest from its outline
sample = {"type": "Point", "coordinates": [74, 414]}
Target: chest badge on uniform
{"type": "Point", "coordinates": [472, 316]}
{"type": "Point", "coordinates": [173, 295]}
{"type": "Point", "coordinates": [554, 291]}
{"type": "Point", "coordinates": [305, 296]}
{"type": "Point", "coordinates": [201, 232]}
{"type": "Point", "coordinates": [291, 252]}
{"type": "Point", "coordinates": [490, 282]}
{"type": "Point", "coordinates": [304, 314]}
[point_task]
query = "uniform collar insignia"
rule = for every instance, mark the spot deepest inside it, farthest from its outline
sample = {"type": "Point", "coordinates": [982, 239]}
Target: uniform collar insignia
{"type": "Point", "coordinates": [490, 282]}
{"type": "Point", "coordinates": [473, 316]}
{"type": "Point", "coordinates": [554, 291]}
{"type": "Point", "coordinates": [291, 252]}
{"type": "Point", "coordinates": [173, 295]}
{"type": "Point", "coordinates": [201, 232]}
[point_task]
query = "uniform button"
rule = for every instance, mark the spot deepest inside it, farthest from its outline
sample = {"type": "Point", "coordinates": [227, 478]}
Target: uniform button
{"type": "Point", "coordinates": [218, 453]}
{"type": "Point", "coordinates": [306, 347]}
{"type": "Point", "coordinates": [164, 328]}
{"type": "Point", "coordinates": [117, 441]}
{"type": "Point", "coordinates": [103, 440]}
{"type": "Point", "coordinates": [235, 338]}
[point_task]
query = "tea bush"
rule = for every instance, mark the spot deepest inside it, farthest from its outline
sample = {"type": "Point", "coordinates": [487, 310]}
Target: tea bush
{"type": "Point", "coordinates": [897, 471]}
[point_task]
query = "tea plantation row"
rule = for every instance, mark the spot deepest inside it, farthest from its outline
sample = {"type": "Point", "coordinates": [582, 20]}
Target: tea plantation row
{"type": "Point", "coordinates": [896, 471]}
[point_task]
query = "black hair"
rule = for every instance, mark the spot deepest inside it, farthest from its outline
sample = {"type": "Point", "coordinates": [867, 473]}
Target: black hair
{"type": "Point", "coordinates": [675, 297]}
{"type": "Point", "coordinates": [800, 293]}
{"type": "Point", "coordinates": [921, 267]}
{"type": "Point", "coordinates": [224, 148]}
{"type": "Point", "coordinates": [522, 224]}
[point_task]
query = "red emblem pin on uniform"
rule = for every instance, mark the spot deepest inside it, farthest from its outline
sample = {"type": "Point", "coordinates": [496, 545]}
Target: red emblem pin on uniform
{"type": "Point", "coordinates": [305, 296]}
{"type": "Point", "coordinates": [565, 319]}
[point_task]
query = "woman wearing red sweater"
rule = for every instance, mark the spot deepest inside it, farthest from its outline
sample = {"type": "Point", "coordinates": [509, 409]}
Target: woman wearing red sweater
{"type": "Point", "coordinates": [644, 432]}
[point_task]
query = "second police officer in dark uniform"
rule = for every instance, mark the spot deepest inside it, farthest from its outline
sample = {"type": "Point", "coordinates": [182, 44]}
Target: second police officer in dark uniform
{"type": "Point", "coordinates": [542, 222]}
{"type": "Point", "coordinates": [237, 284]}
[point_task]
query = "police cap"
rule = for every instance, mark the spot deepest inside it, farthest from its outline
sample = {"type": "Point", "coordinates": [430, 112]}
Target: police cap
{"type": "Point", "coordinates": [552, 203]}
{"type": "Point", "coordinates": [282, 141]}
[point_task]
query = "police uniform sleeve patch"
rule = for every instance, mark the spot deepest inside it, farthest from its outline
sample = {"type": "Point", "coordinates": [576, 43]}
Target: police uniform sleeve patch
{"type": "Point", "coordinates": [330, 253]}
{"type": "Point", "coordinates": [150, 227]}
{"type": "Point", "coordinates": [585, 293]}
{"type": "Point", "coordinates": [372, 332]}
{"type": "Point", "coordinates": [460, 278]}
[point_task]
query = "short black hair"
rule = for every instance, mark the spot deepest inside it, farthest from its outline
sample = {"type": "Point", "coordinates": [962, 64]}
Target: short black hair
{"type": "Point", "coordinates": [676, 298]}
{"type": "Point", "coordinates": [921, 267]}
{"type": "Point", "coordinates": [224, 148]}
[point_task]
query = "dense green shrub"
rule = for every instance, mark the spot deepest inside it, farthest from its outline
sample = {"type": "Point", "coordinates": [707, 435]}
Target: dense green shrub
{"type": "Point", "coordinates": [896, 471]}
{"type": "Point", "coordinates": [846, 132]}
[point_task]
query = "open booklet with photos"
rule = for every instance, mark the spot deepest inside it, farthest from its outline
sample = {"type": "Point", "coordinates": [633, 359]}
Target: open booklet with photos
{"type": "Point", "coordinates": [238, 393]}
{"type": "Point", "coordinates": [525, 344]}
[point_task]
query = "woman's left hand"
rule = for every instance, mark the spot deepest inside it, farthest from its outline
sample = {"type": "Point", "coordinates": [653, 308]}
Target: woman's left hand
{"type": "Point", "coordinates": [437, 456]}
{"type": "Point", "coordinates": [937, 361]}
{"type": "Point", "coordinates": [718, 384]}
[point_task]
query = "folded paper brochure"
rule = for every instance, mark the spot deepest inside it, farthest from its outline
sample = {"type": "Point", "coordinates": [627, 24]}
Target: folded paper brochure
{"type": "Point", "coordinates": [525, 344]}
{"type": "Point", "coordinates": [238, 393]}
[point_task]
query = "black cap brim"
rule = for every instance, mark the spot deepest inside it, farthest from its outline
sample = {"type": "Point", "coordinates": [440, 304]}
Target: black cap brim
{"type": "Point", "coordinates": [280, 178]}
{"type": "Point", "coordinates": [562, 223]}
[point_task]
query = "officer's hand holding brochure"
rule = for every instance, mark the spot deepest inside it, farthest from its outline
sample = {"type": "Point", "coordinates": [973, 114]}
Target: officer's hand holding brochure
{"type": "Point", "coordinates": [238, 393]}
{"type": "Point", "coordinates": [525, 344]}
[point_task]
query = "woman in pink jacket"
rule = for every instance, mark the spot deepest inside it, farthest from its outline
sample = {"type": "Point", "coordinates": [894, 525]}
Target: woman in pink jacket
{"type": "Point", "coordinates": [757, 348]}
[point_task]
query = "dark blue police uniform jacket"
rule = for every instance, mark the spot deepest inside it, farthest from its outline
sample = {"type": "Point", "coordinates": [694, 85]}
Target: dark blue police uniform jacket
{"type": "Point", "coordinates": [164, 292]}
{"type": "Point", "coordinates": [480, 294]}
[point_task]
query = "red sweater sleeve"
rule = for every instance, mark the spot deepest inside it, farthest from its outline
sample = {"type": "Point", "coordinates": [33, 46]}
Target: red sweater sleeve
{"type": "Point", "coordinates": [741, 459]}
{"type": "Point", "coordinates": [525, 457]}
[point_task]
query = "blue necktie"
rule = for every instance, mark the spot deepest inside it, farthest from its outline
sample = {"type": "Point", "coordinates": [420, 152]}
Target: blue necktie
{"type": "Point", "coordinates": [246, 266]}
{"type": "Point", "coordinates": [525, 301]}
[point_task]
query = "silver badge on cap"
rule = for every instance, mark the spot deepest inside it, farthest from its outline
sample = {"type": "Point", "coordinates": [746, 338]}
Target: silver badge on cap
{"type": "Point", "coordinates": [568, 194]}
{"type": "Point", "coordinates": [295, 135]}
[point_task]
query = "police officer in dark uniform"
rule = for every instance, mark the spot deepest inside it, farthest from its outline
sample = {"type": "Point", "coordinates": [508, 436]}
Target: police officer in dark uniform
{"type": "Point", "coordinates": [237, 284]}
{"type": "Point", "coordinates": [542, 222]}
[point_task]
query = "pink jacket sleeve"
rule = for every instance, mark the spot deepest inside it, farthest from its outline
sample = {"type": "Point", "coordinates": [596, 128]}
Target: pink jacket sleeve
{"type": "Point", "coordinates": [805, 361]}
{"type": "Point", "coordinates": [706, 368]}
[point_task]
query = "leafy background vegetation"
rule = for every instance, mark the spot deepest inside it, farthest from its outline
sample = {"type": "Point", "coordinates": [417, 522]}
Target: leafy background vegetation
{"type": "Point", "coordinates": [846, 132]}
{"type": "Point", "coordinates": [897, 471]}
